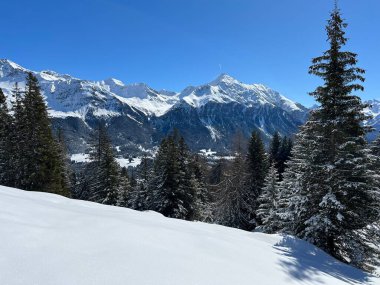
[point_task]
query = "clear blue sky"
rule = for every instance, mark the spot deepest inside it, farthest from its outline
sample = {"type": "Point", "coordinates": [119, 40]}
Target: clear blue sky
{"type": "Point", "coordinates": [175, 43]}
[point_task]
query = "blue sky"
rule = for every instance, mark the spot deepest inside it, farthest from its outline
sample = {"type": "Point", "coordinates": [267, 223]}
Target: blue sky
{"type": "Point", "coordinates": [175, 43]}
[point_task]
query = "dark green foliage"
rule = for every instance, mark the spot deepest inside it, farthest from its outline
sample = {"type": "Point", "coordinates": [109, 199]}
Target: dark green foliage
{"type": "Point", "coordinates": [279, 153]}
{"type": "Point", "coordinates": [232, 197]}
{"type": "Point", "coordinates": [103, 172]}
{"type": "Point", "coordinates": [332, 191]}
{"type": "Point", "coordinates": [268, 201]}
{"type": "Point", "coordinates": [257, 168]}
{"type": "Point", "coordinates": [140, 198]}
{"type": "Point", "coordinates": [36, 160]}
{"type": "Point", "coordinates": [204, 206]}
{"type": "Point", "coordinates": [238, 191]}
{"type": "Point", "coordinates": [172, 188]}
{"type": "Point", "coordinates": [5, 143]}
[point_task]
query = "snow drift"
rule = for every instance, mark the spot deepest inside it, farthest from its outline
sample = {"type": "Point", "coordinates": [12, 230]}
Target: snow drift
{"type": "Point", "coordinates": [47, 239]}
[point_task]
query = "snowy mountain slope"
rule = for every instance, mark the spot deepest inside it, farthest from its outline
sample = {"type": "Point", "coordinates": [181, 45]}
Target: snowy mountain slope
{"type": "Point", "coordinates": [226, 89]}
{"type": "Point", "coordinates": [47, 239]}
{"type": "Point", "coordinates": [374, 112]}
{"type": "Point", "coordinates": [217, 111]}
{"type": "Point", "coordinates": [68, 96]}
{"type": "Point", "coordinates": [142, 97]}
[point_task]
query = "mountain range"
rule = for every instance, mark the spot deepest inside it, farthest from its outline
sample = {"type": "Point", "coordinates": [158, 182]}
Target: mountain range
{"type": "Point", "coordinates": [209, 116]}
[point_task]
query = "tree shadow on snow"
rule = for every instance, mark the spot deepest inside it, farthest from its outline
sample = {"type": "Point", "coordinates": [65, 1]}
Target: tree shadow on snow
{"type": "Point", "coordinates": [305, 262]}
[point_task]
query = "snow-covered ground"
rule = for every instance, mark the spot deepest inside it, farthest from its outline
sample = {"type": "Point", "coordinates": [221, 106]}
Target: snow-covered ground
{"type": "Point", "coordinates": [123, 162]}
{"type": "Point", "coordinates": [80, 157]}
{"type": "Point", "coordinates": [47, 239]}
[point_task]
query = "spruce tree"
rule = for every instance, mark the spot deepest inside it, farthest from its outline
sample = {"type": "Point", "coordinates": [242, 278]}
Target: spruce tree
{"type": "Point", "coordinates": [257, 166]}
{"type": "Point", "coordinates": [124, 189]}
{"type": "Point", "coordinates": [332, 193]}
{"type": "Point", "coordinates": [103, 171]}
{"type": "Point", "coordinates": [17, 138]}
{"type": "Point", "coordinates": [62, 169]}
{"type": "Point", "coordinates": [172, 189]}
{"type": "Point", "coordinates": [203, 201]}
{"type": "Point", "coordinates": [37, 160]}
{"type": "Point", "coordinates": [5, 144]}
{"type": "Point", "coordinates": [186, 182]}
{"type": "Point", "coordinates": [268, 209]}
{"type": "Point", "coordinates": [140, 198]}
{"type": "Point", "coordinates": [283, 156]}
{"type": "Point", "coordinates": [233, 196]}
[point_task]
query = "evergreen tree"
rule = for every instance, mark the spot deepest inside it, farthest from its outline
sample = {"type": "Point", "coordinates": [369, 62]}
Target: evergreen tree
{"type": "Point", "coordinates": [257, 166]}
{"type": "Point", "coordinates": [5, 144]}
{"type": "Point", "coordinates": [268, 209]}
{"type": "Point", "coordinates": [62, 170]}
{"type": "Point", "coordinates": [124, 189]}
{"type": "Point", "coordinates": [17, 139]}
{"type": "Point", "coordinates": [140, 198]}
{"type": "Point", "coordinates": [103, 171]}
{"type": "Point", "coordinates": [173, 193]}
{"type": "Point", "coordinates": [283, 156]}
{"type": "Point", "coordinates": [37, 156]}
{"type": "Point", "coordinates": [333, 195]}
{"type": "Point", "coordinates": [203, 202]}
{"type": "Point", "coordinates": [232, 198]}
{"type": "Point", "coordinates": [186, 181]}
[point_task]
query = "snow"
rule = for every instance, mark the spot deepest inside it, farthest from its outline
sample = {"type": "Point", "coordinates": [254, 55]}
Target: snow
{"type": "Point", "coordinates": [47, 239]}
{"type": "Point", "coordinates": [66, 94]}
{"type": "Point", "coordinates": [226, 89]}
{"type": "Point", "coordinates": [207, 152]}
{"type": "Point", "coordinates": [213, 132]}
{"type": "Point", "coordinates": [80, 157]}
{"type": "Point", "coordinates": [124, 162]}
{"type": "Point", "coordinates": [156, 105]}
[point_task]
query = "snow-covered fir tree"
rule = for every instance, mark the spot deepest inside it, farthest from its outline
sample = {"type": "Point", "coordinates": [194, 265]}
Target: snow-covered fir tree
{"type": "Point", "coordinates": [171, 187]}
{"type": "Point", "coordinates": [332, 193]}
{"type": "Point", "coordinates": [140, 196]}
{"type": "Point", "coordinates": [257, 167]}
{"type": "Point", "coordinates": [268, 199]}
{"type": "Point", "coordinates": [232, 196]}
{"type": "Point", "coordinates": [203, 201]}
{"type": "Point", "coordinates": [124, 189]}
{"type": "Point", "coordinates": [102, 173]}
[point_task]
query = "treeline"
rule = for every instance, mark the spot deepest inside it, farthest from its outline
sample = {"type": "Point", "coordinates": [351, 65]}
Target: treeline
{"type": "Point", "coordinates": [184, 185]}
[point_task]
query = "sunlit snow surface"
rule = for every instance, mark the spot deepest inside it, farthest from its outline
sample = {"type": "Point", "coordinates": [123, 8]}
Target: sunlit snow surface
{"type": "Point", "coordinates": [47, 239]}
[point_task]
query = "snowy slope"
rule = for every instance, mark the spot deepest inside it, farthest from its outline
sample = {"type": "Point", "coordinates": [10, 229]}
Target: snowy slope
{"type": "Point", "coordinates": [47, 239]}
{"type": "Point", "coordinates": [142, 97]}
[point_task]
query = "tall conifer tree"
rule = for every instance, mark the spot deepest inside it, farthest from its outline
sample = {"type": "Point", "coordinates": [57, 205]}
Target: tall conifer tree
{"type": "Point", "coordinates": [5, 144]}
{"type": "Point", "coordinates": [332, 191]}
{"type": "Point", "coordinates": [38, 160]}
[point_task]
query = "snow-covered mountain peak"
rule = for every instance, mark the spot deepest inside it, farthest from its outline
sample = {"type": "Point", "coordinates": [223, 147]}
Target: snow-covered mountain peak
{"type": "Point", "coordinates": [10, 64]}
{"type": "Point", "coordinates": [224, 79]}
{"type": "Point", "coordinates": [114, 81]}
{"type": "Point", "coordinates": [226, 89]}
{"type": "Point", "coordinates": [9, 68]}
